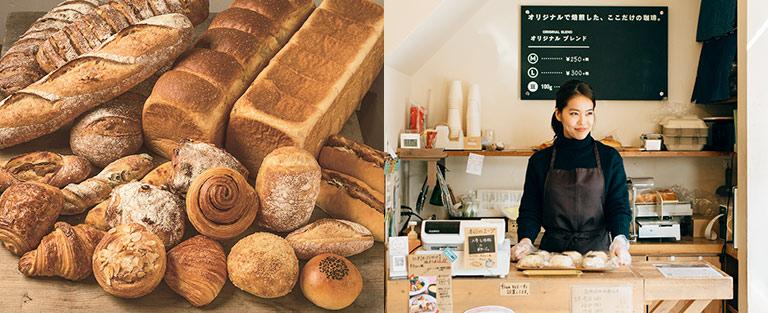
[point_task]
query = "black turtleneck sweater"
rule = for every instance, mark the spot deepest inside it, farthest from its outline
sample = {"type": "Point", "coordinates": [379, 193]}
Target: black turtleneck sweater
{"type": "Point", "coordinates": [571, 154]}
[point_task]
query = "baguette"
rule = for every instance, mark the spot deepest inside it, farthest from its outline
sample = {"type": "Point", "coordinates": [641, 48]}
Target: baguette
{"type": "Point", "coordinates": [85, 195]}
{"type": "Point", "coordinates": [313, 85]}
{"type": "Point", "coordinates": [91, 30]}
{"type": "Point", "coordinates": [354, 159]}
{"type": "Point", "coordinates": [125, 60]}
{"type": "Point", "coordinates": [345, 197]}
{"type": "Point", "coordinates": [18, 67]}
{"type": "Point", "coordinates": [194, 99]}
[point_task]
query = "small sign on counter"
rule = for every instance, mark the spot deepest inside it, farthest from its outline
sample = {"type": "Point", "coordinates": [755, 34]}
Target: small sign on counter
{"type": "Point", "coordinates": [429, 283]}
{"type": "Point", "coordinates": [480, 247]}
{"type": "Point", "coordinates": [515, 289]}
{"type": "Point", "coordinates": [601, 299]}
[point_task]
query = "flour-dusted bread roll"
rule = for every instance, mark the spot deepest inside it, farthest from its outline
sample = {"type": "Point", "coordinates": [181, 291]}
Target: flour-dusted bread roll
{"type": "Point", "coordinates": [192, 158]}
{"type": "Point", "coordinates": [263, 265]}
{"type": "Point", "coordinates": [595, 260]}
{"type": "Point", "coordinates": [288, 184]}
{"type": "Point", "coordinates": [313, 85]}
{"type": "Point", "coordinates": [532, 261]}
{"type": "Point", "coordinates": [561, 261]}
{"type": "Point", "coordinates": [160, 211]}
{"type": "Point", "coordinates": [575, 256]}
{"type": "Point", "coordinates": [194, 99]}
{"type": "Point", "coordinates": [109, 132]}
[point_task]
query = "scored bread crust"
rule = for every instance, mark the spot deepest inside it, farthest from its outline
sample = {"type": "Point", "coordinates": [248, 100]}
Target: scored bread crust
{"type": "Point", "coordinates": [338, 202]}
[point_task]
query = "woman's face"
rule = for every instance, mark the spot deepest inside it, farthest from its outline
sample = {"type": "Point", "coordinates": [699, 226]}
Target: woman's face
{"type": "Point", "coordinates": [577, 117]}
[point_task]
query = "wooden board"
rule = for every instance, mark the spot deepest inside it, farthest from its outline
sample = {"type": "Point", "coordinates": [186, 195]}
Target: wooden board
{"type": "Point", "coordinates": [696, 246]}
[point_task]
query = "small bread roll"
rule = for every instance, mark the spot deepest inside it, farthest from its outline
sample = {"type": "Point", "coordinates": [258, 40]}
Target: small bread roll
{"type": "Point", "coordinates": [197, 270]}
{"type": "Point", "coordinates": [575, 256]}
{"type": "Point", "coordinates": [331, 281]}
{"type": "Point", "coordinates": [160, 211]}
{"type": "Point", "coordinates": [129, 262]}
{"type": "Point", "coordinates": [263, 265]}
{"type": "Point", "coordinates": [288, 184]}
{"type": "Point", "coordinates": [598, 254]}
{"type": "Point", "coordinates": [532, 260]}
{"type": "Point", "coordinates": [561, 260]}
{"type": "Point", "coordinates": [110, 131]}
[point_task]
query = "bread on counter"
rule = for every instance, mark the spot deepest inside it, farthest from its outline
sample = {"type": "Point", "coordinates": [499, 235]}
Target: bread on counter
{"type": "Point", "coordinates": [127, 59]}
{"type": "Point", "coordinates": [345, 197]}
{"type": "Point", "coordinates": [197, 270]}
{"type": "Point", "coordinates": [66, 252]}
{"type": "Point", "coordinates": [194, 99]}
{"type": "Point", "coordinates": [46, 167]}
{"type": "Point", "coordinates": [313, 85]}
{"type": "Point", "coordinates": [354, 159]}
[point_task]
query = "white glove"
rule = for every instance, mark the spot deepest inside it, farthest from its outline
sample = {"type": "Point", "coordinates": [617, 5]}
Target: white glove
{"type": "Point", "coordinates": [620, 250]}
{"type": "Point", "coordinates": [521, 249]}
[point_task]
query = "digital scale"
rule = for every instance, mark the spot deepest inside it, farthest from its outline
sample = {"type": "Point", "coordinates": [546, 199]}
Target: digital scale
{"type": "Point", "coordinates": [439, 235]}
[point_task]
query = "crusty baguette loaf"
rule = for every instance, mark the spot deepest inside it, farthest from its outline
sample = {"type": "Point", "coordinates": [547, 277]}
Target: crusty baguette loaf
{"type": "Point", "coordinates": [89, 31]}
{"type": "Point", "coordinates": [312, 86]}
{"type": "Point", "coordinates": [354, 159]}
{"type": "Point", "coordinates": [18, 67]}
{"type": "Point", "coordinates": [125, 60]}
{"type": "Point", "coordinates": [194, 99]}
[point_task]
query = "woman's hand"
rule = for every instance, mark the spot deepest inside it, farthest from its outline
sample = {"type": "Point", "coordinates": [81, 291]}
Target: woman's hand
{"type": "Point", "coordinates": [521, 249]}
{"type": "Point", "coordinates": [620, 250]}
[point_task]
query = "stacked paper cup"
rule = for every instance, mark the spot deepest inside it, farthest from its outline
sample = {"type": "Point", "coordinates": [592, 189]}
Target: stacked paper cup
{"type": "Point", "coordinates": [473, 111]}
{"type": "Point", "coordinates": [455, 99]}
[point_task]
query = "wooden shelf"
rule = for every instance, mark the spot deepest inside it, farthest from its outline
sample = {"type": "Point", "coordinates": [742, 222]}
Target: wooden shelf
{"type": "Point", "coordinates": [428, 154]}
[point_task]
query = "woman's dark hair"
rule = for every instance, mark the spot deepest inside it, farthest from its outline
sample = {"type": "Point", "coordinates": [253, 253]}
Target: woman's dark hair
{"type": "Point", "coordinates": [567, 91]}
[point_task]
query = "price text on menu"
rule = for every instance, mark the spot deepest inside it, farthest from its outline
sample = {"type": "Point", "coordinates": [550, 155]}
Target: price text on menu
{"type": "Point", "coordinates": [620, 51]}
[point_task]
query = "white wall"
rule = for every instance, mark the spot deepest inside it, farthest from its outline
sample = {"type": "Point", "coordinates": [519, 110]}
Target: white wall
{"type": "Point", "coordinates": [756, 158]}
{"type": "Point", "coordinates": [397, 89]}
{"type": "Point", "coordinates": [485, 50]}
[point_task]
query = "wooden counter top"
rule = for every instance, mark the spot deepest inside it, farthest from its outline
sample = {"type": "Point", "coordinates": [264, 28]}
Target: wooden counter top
{"type": "Point", "coordinates": [698, 246]}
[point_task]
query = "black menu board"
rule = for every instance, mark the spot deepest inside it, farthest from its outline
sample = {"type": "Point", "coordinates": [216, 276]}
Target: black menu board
{"type": "Point", "coordinates": [620, 51]}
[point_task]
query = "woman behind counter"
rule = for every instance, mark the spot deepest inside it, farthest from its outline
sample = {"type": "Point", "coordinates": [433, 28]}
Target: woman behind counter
{"type": "Point", "coordinates": [576, 189]}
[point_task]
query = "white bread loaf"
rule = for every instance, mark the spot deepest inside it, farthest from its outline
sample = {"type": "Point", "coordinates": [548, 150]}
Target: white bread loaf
{"type": "Point", "coordinates": [313, 85]}
{"type": "Point", "coordinates": [125, 60]}
{"type": "Point", "coordinates": [193, 100]}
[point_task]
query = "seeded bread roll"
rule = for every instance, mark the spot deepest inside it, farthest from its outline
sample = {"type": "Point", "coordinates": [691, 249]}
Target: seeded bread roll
{"type": "Point", "coordinates": [263, 265]}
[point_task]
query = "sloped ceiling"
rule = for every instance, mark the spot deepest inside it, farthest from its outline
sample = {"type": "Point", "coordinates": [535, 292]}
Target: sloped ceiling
{"type": "Point", "coordinates": [415, 30]}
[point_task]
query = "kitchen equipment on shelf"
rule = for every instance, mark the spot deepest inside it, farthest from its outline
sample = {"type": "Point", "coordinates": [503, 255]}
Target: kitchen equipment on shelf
{"type": "Point", "coordinates": [656, 213]}
{"type": "Point", "coordinates": [651, 142]}
{"type": "Point", "coordinates": [685, 134]}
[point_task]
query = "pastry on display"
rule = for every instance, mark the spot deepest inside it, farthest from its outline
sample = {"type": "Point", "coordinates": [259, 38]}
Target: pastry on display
{"type": "Point", "coordinates": [331, 281]}
{"type": "Point", "coordinates": [193, 100]}
{"type": "Point", "coordinates": [160, 211]}
{"type": "Point", "coordinates": [652, 196]}
{"type": "Point", "coordinates": [354, 159]}
{"type": "Point", "coordinates": [532, 261]}
{"type": "Point", "coordinates": [288, 184]}
{"type": "Point", "coordinates": [221, 204]}
{"type": "Point", "coordinates": [345, 197]}
{"type": "Point", "coordinates": [313, 85]}
{"type": "Point", "coordinates": [611, 142]}
{"type": "Point", "coordinates": [561, 261]}
{"type": "Point", "coordinates": [18, 67]}
{"type": "Point", "coordinates": [595, 260]}
{"type": "Point", "coordinates": [197, 270]}
{"type": "Point", "coordinates": [110, 131]}
{"type": "Point", "coordinates": [191, 158]}
{"type": "Point", "coordinates": [80, 197]}
{"type": "Point", "coordinates": [27, 212]}
{"type": "Point", "coordinates": [160, 176]}
{"type": "Point", "coordinates": [122, 62]}
{"type": "Point", "coordinates": [263, 265]}
{"type": "Point", "coordinates": [129, 262]}
{"type": "Point", "coordinates": [326, 235]}
{"type": "Point", "coordinates": [66, 252]}
{"type": "Point", "coordinates": [575, 256]}
{"type": "Point", "coordinates": [46, 167]}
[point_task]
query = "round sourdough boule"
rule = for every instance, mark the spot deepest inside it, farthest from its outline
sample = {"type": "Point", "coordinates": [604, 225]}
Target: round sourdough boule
{"type": "Point", "coordinates": [331, 281]}
{"type": "Point", "coordinates": [288, 184]}
{"type": "Point", "coordinates": [109, 132]}
{"type": "Point", "coordinates": [263, 265]}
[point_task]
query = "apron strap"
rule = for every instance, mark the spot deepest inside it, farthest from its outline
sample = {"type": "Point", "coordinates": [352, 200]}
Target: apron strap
{"type": "Point", "coordinates": [597, 159]}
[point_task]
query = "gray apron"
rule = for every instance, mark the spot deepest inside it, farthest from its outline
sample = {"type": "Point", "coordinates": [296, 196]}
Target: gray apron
{"type": "Point", "coordinates": [573, 214]}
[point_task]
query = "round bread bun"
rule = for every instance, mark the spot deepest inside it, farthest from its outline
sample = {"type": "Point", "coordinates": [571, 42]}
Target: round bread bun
{"type": "Point", "coordinates": [331, 281]}
{"type": "Point", "coordinates": [263, 265]}
{"type": "Point", "coordinates": [288, 184]}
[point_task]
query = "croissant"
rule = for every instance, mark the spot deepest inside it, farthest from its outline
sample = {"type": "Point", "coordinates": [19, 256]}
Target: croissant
{"type": "Point", "coordinates": [96, 216]}
{"type": "Point", "coordinates": [27, 212]}
{"type": "Point", "coordinates": [160, 176]}
{"type": "Point", "coordinates": [221, 204]}
{"type": "Point", "coordinates": [197, 270]}
{"type": "Point", "coordinates": [66, 252]}
{"type": "Point", "coordinates": [82, 196]}
{"type": "Point", "coordinates": [129, 262]}
{"type": "Point", "coordinates": [46, 167]}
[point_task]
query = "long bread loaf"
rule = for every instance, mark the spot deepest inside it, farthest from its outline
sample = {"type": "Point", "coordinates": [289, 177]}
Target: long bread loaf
{"type": "Point", "coordinates": [125, 60]}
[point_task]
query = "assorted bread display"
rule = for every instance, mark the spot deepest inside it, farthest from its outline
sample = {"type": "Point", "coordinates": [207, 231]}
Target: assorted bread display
{"type": "Point", "coordinates": [592, 260]}
{"type": "Point", "coordinates": [242, 124]}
